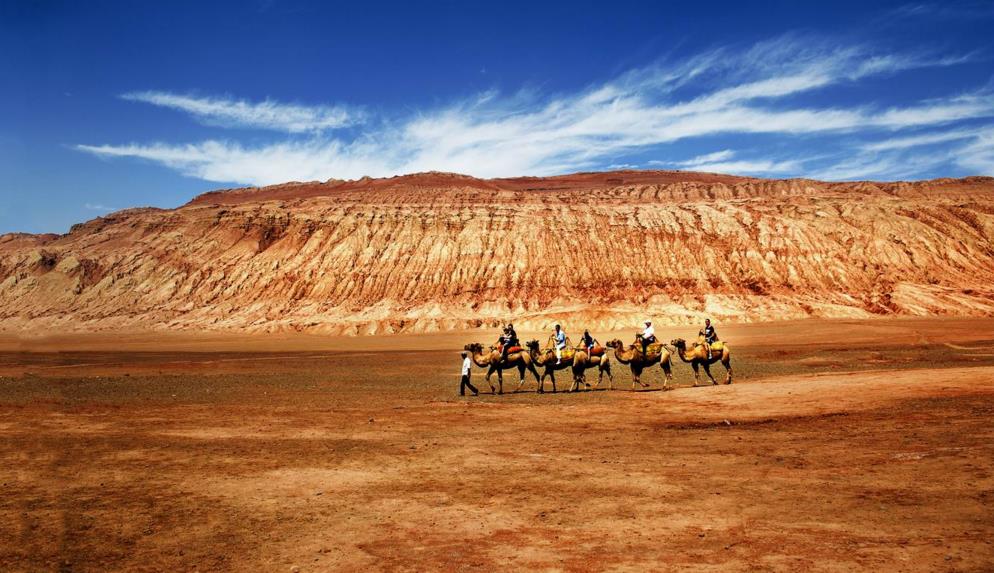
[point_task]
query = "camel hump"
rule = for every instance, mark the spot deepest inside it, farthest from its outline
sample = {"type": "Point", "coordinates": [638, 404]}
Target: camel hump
{"type": "Point", "coordinates": [514, 349]}
{"type": "Point", "coordinates": [597, 351]}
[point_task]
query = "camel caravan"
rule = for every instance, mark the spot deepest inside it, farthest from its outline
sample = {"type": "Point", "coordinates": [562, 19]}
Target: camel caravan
{"type": "Point", "coordinates": [560, 354]}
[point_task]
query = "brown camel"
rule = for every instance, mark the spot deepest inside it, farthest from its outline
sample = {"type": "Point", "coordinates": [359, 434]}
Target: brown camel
{"type": "Point", "coordinates": [633, 357]}
{"type": "Point", "coordinates": [547, 357]}
{"type": "Point", "coordinates": [697, 356]}
{"type": "Point", "coordinates": [492, 362]}
{"type": "Point", "coordinates": [582, 360]}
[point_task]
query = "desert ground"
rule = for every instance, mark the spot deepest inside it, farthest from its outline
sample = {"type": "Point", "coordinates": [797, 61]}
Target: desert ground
{"type": "Point", "coordinates": [861, 445]}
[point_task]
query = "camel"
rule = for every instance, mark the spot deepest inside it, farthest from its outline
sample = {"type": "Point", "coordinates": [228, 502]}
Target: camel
{"type": "Point", "coordinates": [638, 362]}
{"type": "Point", "coordinates": [521, 360]}
{"type": "Point", "coordinates": [547, 358]}
{"type": "Point", "coordinates": [697, 356]}
{"type": "Point", "coordinates": [582, 361]}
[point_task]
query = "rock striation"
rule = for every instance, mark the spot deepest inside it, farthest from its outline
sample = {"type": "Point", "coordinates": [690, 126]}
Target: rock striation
{"type": "Point", "coordinates": [436, 252]}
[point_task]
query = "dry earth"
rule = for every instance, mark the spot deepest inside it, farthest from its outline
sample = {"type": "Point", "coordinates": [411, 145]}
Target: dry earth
{"type": "Point", "coordinates": [843, 446]}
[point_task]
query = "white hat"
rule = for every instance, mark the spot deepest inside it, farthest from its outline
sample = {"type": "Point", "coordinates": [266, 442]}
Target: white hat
{"type": "Point", "coordinates": [648, 322]}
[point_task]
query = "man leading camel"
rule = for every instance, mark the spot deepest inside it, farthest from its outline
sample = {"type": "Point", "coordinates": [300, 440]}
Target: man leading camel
{"type": "Point", "coordinates": [467, 371]}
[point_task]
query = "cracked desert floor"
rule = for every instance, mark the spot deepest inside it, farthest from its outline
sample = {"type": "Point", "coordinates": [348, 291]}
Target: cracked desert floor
{"type": "Point", "coordinates": [841, 446]}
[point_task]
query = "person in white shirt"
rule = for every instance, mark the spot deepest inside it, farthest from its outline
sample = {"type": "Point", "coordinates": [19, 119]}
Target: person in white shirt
{"type": "Point", "coordinates": [559, 337]}
{"type": "Point", "coordinates": [467, 371]}
{"type": "Point", "coordinates": [648, 336]}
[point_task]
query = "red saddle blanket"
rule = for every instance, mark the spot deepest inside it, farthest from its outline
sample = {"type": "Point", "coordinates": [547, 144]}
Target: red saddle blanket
{"type": "Point", "coordinates": [512, 349]}
{"type": "Point", "coordinates": [595, 351]}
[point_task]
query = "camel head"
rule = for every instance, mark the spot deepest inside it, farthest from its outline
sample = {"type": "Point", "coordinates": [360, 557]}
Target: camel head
{"type": "Point", "coordinates": [615, 343]}
{"type": "Point", "coordinates": [679, 343]}
{"type": "Point", "coordinates": [532, 345]}
{"type": "Point", "coordinates": [475, 348]}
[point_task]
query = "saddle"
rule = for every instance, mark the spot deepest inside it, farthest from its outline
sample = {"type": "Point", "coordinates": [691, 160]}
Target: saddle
{"type": "Point", "coordinates": [597, 350]}
{"type": "Point", "coordinates": [716, 347]}
{"type": "Point", "coordinates": [567, 352]}
{"type": "Point", "coordinates": [511, 350]}
{"type": "Point", "coordinates": [654, 349]}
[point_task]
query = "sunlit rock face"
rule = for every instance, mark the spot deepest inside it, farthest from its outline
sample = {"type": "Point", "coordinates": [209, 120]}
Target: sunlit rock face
{"type": "Point", "coordinates": [436, 252]}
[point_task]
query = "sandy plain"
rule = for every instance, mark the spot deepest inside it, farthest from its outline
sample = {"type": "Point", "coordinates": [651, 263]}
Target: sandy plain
{"type": "Point", "coordinates": [841, 446]}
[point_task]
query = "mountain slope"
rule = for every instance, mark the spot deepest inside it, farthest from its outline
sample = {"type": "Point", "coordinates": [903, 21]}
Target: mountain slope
{"type": "Point", "coordinates": [439, 251]}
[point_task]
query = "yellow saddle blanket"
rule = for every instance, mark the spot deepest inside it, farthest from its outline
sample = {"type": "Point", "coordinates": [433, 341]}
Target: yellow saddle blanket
{"type": "Point", "coordinates": [716, 346]}
{"type": "Point", "coordinates": [651, 350]}
{"type": "Point", "coordinates": [567, 354]}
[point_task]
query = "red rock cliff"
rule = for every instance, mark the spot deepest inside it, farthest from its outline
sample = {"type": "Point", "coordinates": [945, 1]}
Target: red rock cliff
{"type": "Point", "coordinates": [438, 251]}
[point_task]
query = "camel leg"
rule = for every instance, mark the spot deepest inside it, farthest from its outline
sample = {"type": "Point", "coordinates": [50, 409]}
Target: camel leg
{"type": "Point", "coordinates": [667, 375]}
{"type": "Point", "coordinates": [610, 375]}
{"type": "Point", "coordinates": [521, 373]}
{"type": "Point", "coordinates": [490, 373]}
{"type": "Point", "coordinates": [727, 363]}
{"type": "Point", "coordinates": [636, 378]}
{"type": "Point", "coordinates": [707, 370]}
{"type": "Point", "coordinates": [697, 374]}
{"type": "Point", "coordinates": [531, 368]}
{"type": "Point", "coordinates": [500, 381]}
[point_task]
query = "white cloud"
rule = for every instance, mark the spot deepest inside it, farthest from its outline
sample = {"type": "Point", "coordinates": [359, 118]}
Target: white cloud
{"type": "Point", "coordinates": [720, 92]}
{"type": "Point", "coordinates": [977, 155]}
{"type": "Point", "coordinates": [919, 140]}
{"type": "Point", "coordinates": [708, 158]}
{"type": "Point", "coordinates": [719, 162]}
{"type": "Point", "coordinates": [946, 10]}
{"type": "Point", "coordinates": [98, 207]}
{"type": "Point", "coordinates": [971, 152]}
{"type": "Point", "coordinates": [267, 114]}
{"type": "Point", "coordinates": [744, 167]}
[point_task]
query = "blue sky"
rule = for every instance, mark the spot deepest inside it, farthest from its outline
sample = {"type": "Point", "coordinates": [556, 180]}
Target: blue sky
{"type": "Point", "coordinates": [110, 105]}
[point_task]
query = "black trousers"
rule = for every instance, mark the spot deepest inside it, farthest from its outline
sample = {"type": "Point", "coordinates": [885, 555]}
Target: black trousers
{"type": "Point", "coordinates": [465, 384]}
{"type": "Point", "coordinates": [646, 342]}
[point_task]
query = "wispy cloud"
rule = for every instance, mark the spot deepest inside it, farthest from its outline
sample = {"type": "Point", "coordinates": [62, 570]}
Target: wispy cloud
{"type": "Point", "coordinates": [268, 114]}
{"type": "Point", "coordinates": [921, 140]}
{"type": "Point", "coordinates": [971, 150]}
{"type": "Point", "coordinates": [944, 10]}
{"type": "Point", "coordinates": [724, 91]}
{"type": "Point", "coordinates": [98, 207]}
{"type": "Point", "coordinates": [707, 158]}
{"type": "Point", "coordinates": [721, 162]}
{"type": "Point", "coordinates": [978, 153]}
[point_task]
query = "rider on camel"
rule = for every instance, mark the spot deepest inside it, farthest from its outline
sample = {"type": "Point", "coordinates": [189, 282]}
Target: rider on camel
{"type": "Point", "coordinates": [559, 338]}
{"type": "Point", "coordinates": [648, 336]}
{"type": "Point", "coordinates": [509, 339]}
{"type": "Point", "coordinates": [710, 336]}
{"type": "Point", "coordinates": [589, 342]}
